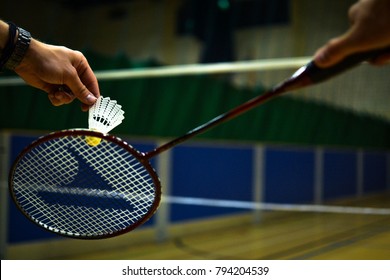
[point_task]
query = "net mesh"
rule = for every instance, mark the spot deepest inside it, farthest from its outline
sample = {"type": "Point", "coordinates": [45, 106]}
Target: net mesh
{"type": "Point", "coordinates": [73, 189]}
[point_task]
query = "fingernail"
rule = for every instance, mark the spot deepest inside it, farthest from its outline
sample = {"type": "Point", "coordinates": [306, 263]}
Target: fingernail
{"type": "Point", "coordinates": [59, 96]}
{"type": "Point", "coordinates": [90, 98]}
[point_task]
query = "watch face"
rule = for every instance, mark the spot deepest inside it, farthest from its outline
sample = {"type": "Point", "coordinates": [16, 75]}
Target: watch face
{"type": "Point", "coordinates": [24, 35]}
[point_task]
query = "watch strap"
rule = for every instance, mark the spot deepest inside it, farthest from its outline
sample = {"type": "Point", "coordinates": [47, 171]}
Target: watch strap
{"type": "Point", "coordinates": [21, 46]}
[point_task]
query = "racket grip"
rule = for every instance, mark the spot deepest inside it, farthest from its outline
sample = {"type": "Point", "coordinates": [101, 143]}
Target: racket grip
{"type": "Point", "coordinates": [65, 88]}
{"type": "Point", "coordinates": [317, 74]}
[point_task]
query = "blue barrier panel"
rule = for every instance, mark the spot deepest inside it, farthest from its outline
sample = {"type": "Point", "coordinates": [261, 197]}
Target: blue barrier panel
{"type": "Point", "coordinates": [289, 175]}
{"type": "Point", "coordinates": [340, 174]}
{"type": "Point", "coordinates": [210, 172]}
{"type": "Point", "coordinates": [374, 175]}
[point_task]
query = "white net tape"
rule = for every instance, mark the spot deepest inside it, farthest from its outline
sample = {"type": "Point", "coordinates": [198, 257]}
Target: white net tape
{"type": "Point", "coordinates": [192, 69]}
{"type": "Point", "coordinates": [71, 188]}
{"type": "Point", "coordinates": [196, 201]}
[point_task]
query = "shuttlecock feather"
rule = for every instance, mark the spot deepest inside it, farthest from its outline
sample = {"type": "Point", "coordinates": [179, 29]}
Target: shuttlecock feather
{"type": "Point", "coordinates": [103, 116]}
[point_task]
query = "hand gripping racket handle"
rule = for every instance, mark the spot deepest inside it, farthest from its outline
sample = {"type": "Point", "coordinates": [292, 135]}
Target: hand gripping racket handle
{"type": "Point", "coordinates": [317, 74]}
{"type": "Point", "coordinates": [311, 74]}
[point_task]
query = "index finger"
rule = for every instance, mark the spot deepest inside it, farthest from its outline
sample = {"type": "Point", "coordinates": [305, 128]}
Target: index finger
{"type": "Point", "coordinates": [88, 78]}
{"type": "Point", "coordinates": [82, 81]}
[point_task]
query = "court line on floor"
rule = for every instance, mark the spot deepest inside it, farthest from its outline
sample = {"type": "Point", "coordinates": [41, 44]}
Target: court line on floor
{"type": "Point", "coordinates": [347, 237]}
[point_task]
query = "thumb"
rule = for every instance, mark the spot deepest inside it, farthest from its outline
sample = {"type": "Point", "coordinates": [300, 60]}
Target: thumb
{"type": "Point", "coordinates": [333, 52]}
{"type": "Point", "coordinates": [81, 92]}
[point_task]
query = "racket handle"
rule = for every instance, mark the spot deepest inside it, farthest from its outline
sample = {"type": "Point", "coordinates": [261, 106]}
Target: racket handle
{"type": "Point", "coordinates": [65, 88]}
{"type": "Point", "coordinates": [317, 74]}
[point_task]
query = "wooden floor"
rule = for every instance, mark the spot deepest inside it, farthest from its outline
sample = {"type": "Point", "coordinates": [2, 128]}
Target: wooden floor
{"type": "Point", "coordinates": [279, 236]}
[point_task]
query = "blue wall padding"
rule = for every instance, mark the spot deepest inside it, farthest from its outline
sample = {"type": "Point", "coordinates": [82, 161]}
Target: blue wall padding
{"type": "Point", "coordinates": [375, 168]}
{"type": "Point", "coordinates": [340, 174]}
{"type": "Point", "coordinates": [289, 175]}
{"type": "Point", "coordinates": [210, 172]}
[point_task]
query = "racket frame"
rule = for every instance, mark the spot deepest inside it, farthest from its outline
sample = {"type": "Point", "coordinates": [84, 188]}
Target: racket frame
{"type": "Point", "coordinates": [86, 132]}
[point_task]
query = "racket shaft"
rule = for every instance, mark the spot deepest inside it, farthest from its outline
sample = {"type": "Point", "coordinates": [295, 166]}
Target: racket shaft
{"type": "Point", "coordinates": [214, 122]}
{"type": "Point", "coordinates": [307, 75]}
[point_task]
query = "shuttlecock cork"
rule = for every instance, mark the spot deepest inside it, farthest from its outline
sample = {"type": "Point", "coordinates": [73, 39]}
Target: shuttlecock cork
{"type": "Point", "coordinates": [103, 116]}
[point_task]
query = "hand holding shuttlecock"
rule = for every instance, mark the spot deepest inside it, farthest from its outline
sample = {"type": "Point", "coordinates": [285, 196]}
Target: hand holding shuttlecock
{"type": "Point", "coordinates": [103, 116]}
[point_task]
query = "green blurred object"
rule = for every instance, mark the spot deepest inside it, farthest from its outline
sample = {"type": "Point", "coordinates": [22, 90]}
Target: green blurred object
{"type": "Point", "coordinates": [223, 4]}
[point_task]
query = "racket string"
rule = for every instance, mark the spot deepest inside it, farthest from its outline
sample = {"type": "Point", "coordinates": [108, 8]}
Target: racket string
{"type": "Point", "coordinates": [72, 188]}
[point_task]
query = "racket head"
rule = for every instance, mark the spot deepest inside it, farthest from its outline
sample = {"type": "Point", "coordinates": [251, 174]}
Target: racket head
{"type": "Point", "coordinates": [67, 186]}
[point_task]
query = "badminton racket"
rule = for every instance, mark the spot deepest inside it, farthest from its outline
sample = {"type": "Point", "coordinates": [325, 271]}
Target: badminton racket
{"type": "Point", "coordinates": [76, 190]}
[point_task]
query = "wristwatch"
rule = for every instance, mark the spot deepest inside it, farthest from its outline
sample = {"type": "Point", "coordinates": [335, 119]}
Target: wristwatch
{"type": "Point", "coordinates": [22, 43]}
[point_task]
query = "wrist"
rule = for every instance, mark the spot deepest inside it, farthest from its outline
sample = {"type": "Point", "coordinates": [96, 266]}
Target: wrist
{"type": "Point", "coordinates": [21, 47]}
{"type": "Point", "coordinates": [34, 55]}
{"type": "Point", "coordinates": [15, 48]}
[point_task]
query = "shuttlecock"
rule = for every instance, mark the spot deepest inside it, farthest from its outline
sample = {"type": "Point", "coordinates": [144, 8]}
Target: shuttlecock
{"type": "Point", "coordinates": [103, 116]}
